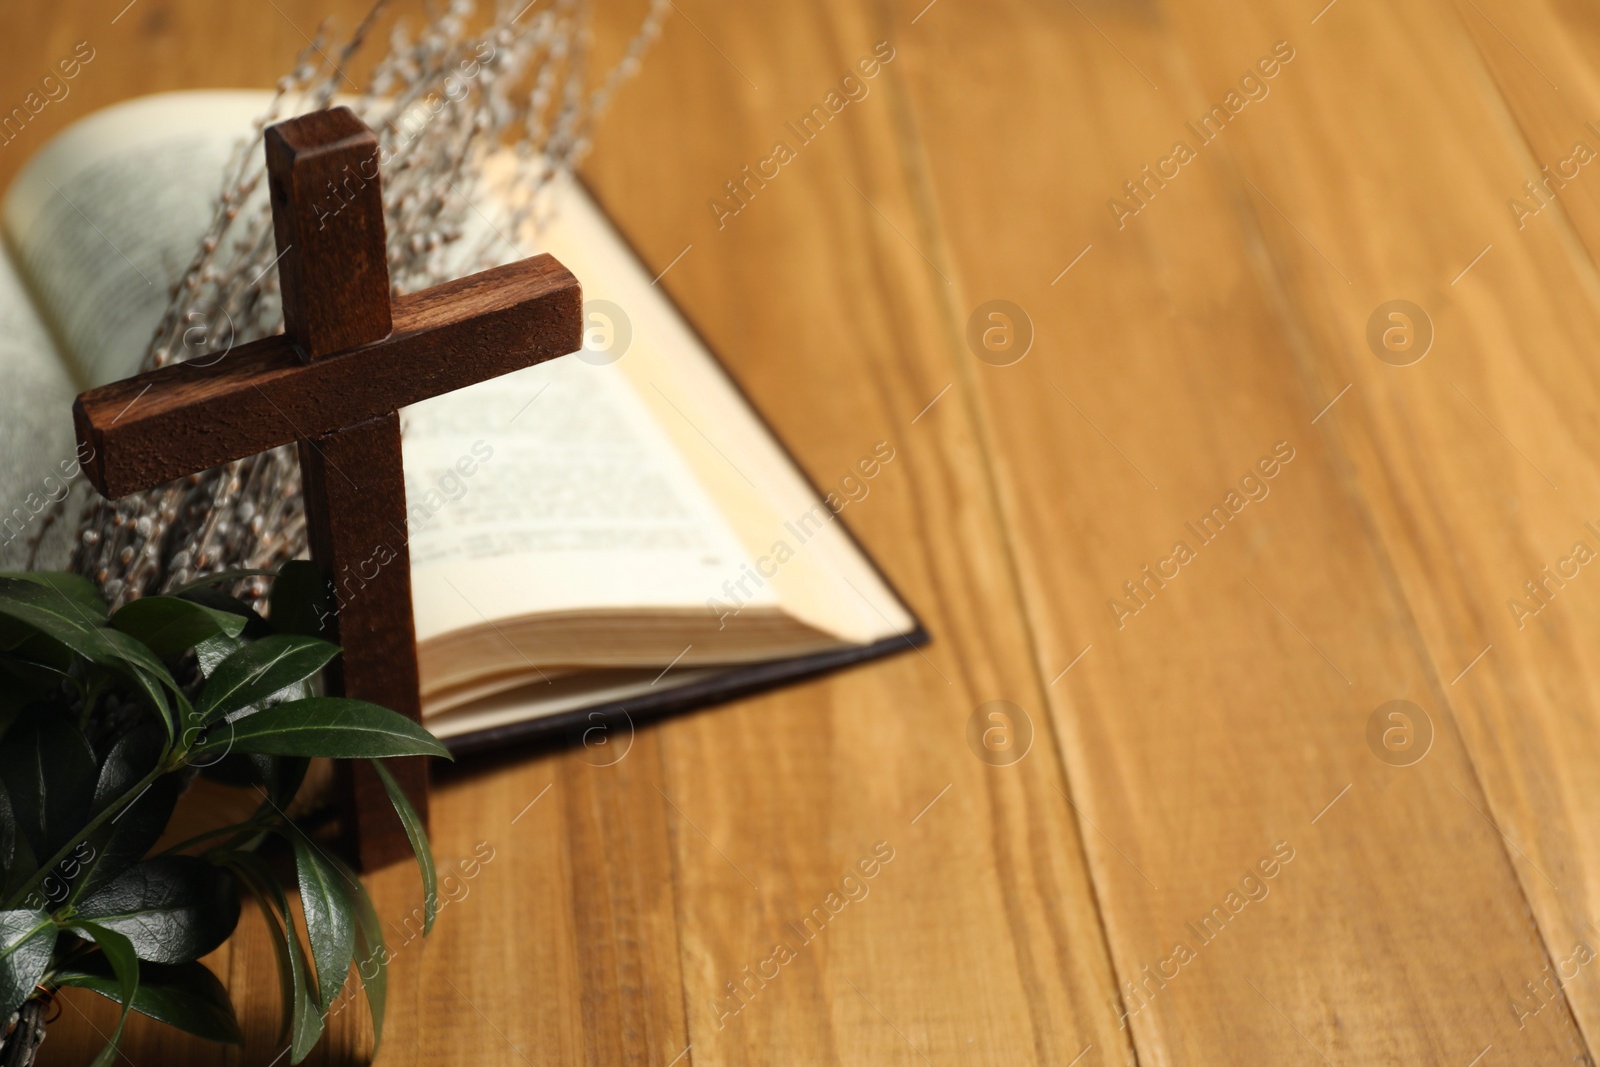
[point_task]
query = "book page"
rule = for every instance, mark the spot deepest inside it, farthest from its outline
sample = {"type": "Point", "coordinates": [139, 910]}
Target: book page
{"type": "Point", "coordinates": [36, 434]}
{"type": "Point", "coordinates": [746, 497]}
{"type": "Point", "coordinates": [800, 551]}
{"type": "Point", "coordinates": [105, 217]}
{"type": "Point", "coordinates": [553, 489]}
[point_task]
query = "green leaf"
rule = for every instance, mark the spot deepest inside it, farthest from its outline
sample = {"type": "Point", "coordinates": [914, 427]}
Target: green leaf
{"type": "Point", "coordinates": [285, 775]}
{"type": "Point", "coordinates": [123, 840]}
{"type": "Point", "coordinates": [26, 682]}
{"type": "Point", "coordinates": [128, 657]}
{"type": "Point", "coordinates": [23, 866]}
{"type": "Point", "coordinates": [213, 651]}
{"type": "Point", "coordinates": [125, 966]}
{"type": "Point", "coordinates": [170, 625]}
{"type": "Point", "coordinates": [372, 954]}
{"type": "Point", "coordinates": [300, 601]}
{"type": "Point", "coordinates": [27, 645]}
{"type": "Point", "coordinates": [125, 650]}
{"type": "Point", "coordinates": [419, 844]}
{"type": "Point", "coordinates": [184, 995]}
{"type": "Point", "coordinates": [324, 726]}
{"type": "Point", "coordinates": [8, 830]}
{"type": "Point", "coordinates": [260, 670]}
{"type": "Point", "coordinates": [27, 938]}
{"type": "Point", "coordinates": [306, 1027]}
{"type": "Point", "coordinates": [49, 774]}
{"type": "Point", "coordinates": [53, 613]}
{"type": "Point", "coordinates": [36, 680]}
{"type": "Point", "coordinates": [303, 1018]}
{"type": "Point", "coordinates": [330, 926]}
{"type": "Point", "coordinates": [56, 614]}
{"type": "Point", "coordinates": [75, 587]}
{"type": "Point", "coordinates": [134, 756]}
{"type": "Point", "coordinates": [255, 627]}
{"type": "Point", "coordinates": [173, 908]}
{"type": "Point", "coordinates": [220, 578]}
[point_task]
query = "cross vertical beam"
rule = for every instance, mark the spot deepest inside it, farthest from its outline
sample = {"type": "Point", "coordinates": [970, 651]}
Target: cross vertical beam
{"type": "Point", "coordinates": [333, 269]}
{"type": "Point", "coordinates": [355, 474]}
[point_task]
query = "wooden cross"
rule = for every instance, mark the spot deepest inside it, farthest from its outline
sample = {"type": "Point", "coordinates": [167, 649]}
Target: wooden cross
{"type": "Point", "coordinates": [348, 359]}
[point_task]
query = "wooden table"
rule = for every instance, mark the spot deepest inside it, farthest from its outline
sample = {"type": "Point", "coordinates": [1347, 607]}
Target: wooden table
{"type": "Point", "coordinates": [1416, 914]}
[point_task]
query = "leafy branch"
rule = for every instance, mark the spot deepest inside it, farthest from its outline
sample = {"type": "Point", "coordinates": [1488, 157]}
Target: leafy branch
{"type": "Point", "coordinates": [105, 719]}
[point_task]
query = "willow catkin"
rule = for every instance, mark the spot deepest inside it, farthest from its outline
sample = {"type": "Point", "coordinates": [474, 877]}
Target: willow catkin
{"type": "Point", "coordinates": [528, 92]}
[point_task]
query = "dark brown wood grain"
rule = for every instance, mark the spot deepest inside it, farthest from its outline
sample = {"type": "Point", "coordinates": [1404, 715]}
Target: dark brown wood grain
{"type": "Point", "coordinates": [333, 383]}
{"type": "Point", "coordinates": [355, 517]}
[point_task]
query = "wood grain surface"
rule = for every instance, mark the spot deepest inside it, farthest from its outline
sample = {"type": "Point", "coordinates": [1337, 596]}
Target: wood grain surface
{"type": "Point", "coordinates": [1221, 846]}
{"type": "Point", "coordinates": [335, 278]}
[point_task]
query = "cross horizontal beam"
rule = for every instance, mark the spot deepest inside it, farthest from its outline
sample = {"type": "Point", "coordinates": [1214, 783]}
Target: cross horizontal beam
{"type": "Point", "coordinates": [168, 423]}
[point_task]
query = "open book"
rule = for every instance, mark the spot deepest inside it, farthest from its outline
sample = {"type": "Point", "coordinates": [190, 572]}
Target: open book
{"type": "Point", "coordinates": [616, 530]}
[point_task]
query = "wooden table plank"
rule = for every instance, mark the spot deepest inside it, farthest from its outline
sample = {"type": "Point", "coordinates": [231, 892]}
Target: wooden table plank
{"type": "Point", "coordinates": [1478, 460]}
{"type": "Point", "coordinates": [1544, 59]}
{"type": "Point", "coordinates": [1230, 712]}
